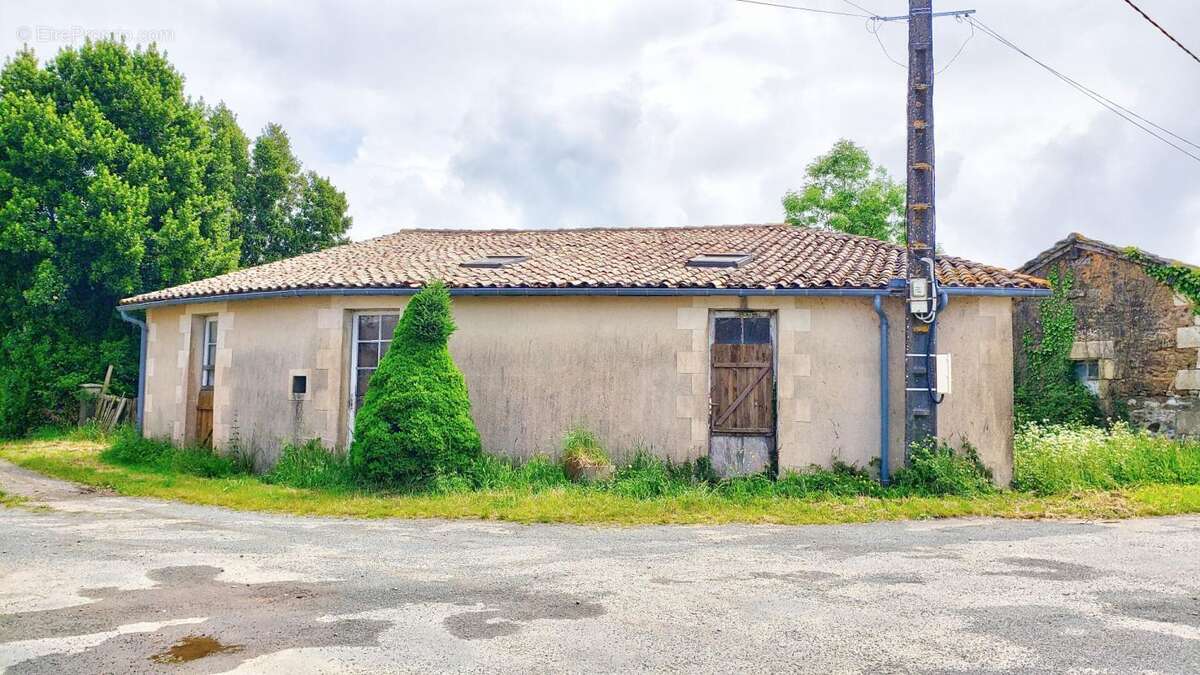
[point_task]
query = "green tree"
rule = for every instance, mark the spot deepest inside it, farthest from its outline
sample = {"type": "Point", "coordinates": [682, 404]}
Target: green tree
{"type": "Point", "coordinates": [229, 171]}
{"type": "Point", "coordinates": [107, 188]}
{"type": "Point", "coordinates": [113, 183]}
{"type": "Point", "coordinates": [1046, 388]}
{"type": "Point", "coordinates": [415, 422]}
{"type": "Point", "coordinates": [845, 191]}
{"type": "Point", "coordinates": [287, 211]}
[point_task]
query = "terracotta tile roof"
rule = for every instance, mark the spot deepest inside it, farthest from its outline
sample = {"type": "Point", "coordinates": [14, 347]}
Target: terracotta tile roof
{"type": "Point", "coordinates": [783, 257]}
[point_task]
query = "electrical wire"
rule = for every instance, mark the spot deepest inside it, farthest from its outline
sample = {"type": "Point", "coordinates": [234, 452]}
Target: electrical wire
{"type": "Point", "coordinates": [1149, 127]}
{"type": "Point", "coordinates": [873, 26]}
{"type": "Point", "coordinates": [1090, 92]}
{"type": "Point", "coordinates": [804, 9]}
{"type": "Point", "coordinates": [1162, 30]}
{"type": "Point", "coordinates": [859, 7]}
{"type": "Point", "coordinates": [875, 23]}
{"type": "Point", "coordinates": [1117, 109]}
{"type": "Point", "coordinates": [960, 47]}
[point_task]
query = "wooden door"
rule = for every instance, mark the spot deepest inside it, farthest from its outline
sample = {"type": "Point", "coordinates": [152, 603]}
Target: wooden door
{"type": "Point", "coordinates": [208, 379]}
{"type": "Point", "coordinates": [743, 389]}
{"type": "Point", "coordinates": [742, 417]}
{"type": "Point", "coordinates": [204, 417]}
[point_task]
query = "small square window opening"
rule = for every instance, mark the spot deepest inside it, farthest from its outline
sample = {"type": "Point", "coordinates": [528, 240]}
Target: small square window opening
{"type": "Point", "coordinates": [299, 384]}
{"type": "Point", "coordinates": [1087, 373]}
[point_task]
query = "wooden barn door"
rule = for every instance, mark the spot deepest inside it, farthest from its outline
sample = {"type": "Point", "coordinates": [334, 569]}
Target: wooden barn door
{"type": "Point", "coordinates": [208, 370]}
{"type": "Point", "coordinates": [742, 417]}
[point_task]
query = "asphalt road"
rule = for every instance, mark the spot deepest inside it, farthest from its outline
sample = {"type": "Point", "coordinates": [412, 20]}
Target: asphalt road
{"type": "Point", "coordinates": [101, 584]}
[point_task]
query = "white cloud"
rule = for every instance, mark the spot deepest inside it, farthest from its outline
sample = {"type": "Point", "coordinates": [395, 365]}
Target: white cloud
{"type": "Point", "coordinates": [635, 112]}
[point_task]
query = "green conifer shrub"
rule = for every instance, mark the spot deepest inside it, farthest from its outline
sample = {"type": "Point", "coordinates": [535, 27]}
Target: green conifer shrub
{"type": "Point", "coordinates": [415, 422]}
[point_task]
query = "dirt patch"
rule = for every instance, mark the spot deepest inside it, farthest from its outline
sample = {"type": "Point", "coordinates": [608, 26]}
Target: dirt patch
{"type": "Point", "coordinates": [36, 487]}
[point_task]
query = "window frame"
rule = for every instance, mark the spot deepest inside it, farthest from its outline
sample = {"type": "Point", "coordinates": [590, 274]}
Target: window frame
{"type": "Point", "coordinates": [208, 353]}
{"type": "Point", "coordinates": [355, 341]}
{"type": "Point", "coordinates": [1087, 372]}
{"type": "Point", "coordinates": [730, 259]}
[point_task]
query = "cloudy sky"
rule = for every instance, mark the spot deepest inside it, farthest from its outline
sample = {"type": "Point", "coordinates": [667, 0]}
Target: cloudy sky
{"type": "Point", "coordinates": [685, 112]}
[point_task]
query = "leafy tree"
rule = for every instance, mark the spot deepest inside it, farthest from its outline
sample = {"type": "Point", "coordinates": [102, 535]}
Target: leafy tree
{"type": "Point", "coordinates": [107, 187]}
{"type": "Point", "coordinates": [845, 191]}
{"type": "Point", "coordinates": [1046, 389]}
{"type": "Point", "coordinates": [415, 422]}
{"type": "Point", "coordinates": [288, 212]}
{"type": "Point", "coordinates": [112, 183]}
{"type": "Point", "coordinates": [229, 171]}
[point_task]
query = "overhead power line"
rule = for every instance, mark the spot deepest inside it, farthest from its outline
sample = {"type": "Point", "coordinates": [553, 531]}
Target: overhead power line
{"type": "Point", "coordinates": [961, 47]}
{"type": "Point", "coordinates": [857, 6]}
{"type": "Point", "coordinates": [798, 8]}
{"type": "Point", "coordinates": [1151, 128]}
{"type": "Point", "coordinates": [1162, 30]}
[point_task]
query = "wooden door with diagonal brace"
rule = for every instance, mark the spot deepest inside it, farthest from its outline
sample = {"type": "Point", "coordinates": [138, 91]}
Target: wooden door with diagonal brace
{"type": "Point", "coordinates": [742, 418]}
{"type": "Point", "coordinates": [743, 389]}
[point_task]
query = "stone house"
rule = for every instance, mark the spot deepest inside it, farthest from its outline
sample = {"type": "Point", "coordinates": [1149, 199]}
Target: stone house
{"type": "Point", "coordinates": [1137, 343]}
{"type": "Point", "coordinates": [757, 345]}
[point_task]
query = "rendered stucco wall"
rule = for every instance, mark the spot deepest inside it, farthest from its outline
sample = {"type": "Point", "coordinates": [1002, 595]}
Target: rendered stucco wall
{"type": "Point", "coordinates": [635, 370]}
{"type": "Point", "coordinates": [977, 332]}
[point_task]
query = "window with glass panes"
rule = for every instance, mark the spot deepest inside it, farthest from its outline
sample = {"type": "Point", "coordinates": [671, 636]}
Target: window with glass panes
{"type": "Point", "coordinates": [208, 358]}
{"type": "Point", "coordinates": [1087, 373]}
{"type": "Point", "coordinates": [372, 337]}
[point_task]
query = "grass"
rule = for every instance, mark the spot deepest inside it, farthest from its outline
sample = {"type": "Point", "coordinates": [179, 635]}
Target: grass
{"type": "Point", "coordinates": [130, 449]}
{"type": "Point", "coordinates": [583, 446]}
{"type": "Point", "coordinates": [11, 500]}
{"type": "Point", "coordinates": [1056, 459]}
{"type": "Point", "coordinates": [644, 492]}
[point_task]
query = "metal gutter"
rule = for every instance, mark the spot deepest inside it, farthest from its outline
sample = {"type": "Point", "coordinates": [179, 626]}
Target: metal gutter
{"type": "Point", "coordinates": [141, 397]}
{"type": "Point", "coordinates": [590, 291]}
{"type": "Point", "coordinates": [997, 292]}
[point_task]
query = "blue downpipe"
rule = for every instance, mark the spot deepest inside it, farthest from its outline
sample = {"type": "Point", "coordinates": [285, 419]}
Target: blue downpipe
{"type": "Point", "coordinates": [141, 396]}
{"type": "Point", "coordinates": [884, 393]}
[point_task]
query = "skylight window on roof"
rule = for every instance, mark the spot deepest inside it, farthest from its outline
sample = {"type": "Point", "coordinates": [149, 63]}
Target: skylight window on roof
{"type": "Point", "coordinates": [494, 261]}
{"type": "Point", "coordinates": [719, 260]}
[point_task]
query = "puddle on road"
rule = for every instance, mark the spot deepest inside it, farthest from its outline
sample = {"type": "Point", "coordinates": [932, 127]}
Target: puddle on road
{"type": "Point", "coordinates": [193, 647]}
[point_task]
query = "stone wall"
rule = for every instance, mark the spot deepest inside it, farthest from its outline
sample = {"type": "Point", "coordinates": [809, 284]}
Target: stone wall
{"type": "Point", "coordinates": [1145, 337]}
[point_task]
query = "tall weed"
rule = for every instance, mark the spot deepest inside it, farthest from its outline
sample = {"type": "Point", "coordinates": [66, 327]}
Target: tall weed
{"type": "Point", "coordinates": [129, 448]}
{"type": "Point", "coordinates": [1052, 459]}
{"type": "Point", "coordinates": [937, 468]}
{"type": "Point", "coordinates": [311, 466]}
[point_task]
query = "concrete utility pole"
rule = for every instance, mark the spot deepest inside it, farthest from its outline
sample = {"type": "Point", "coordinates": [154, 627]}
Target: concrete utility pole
{"type": "Point", "coordinates": [919, 336]}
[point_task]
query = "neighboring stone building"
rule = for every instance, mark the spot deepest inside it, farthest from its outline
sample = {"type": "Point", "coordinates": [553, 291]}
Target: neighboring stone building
{"type": "Point", "coordinates": [1137, 341]}
{"type": "Point", "coordinates": [754, 345]}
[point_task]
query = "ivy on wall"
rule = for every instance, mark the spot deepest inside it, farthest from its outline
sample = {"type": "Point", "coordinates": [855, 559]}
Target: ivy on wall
{"type": "Point", "coordinates": [1046, 389]}
{"type": "Point", "coordinates": [1182, 279]}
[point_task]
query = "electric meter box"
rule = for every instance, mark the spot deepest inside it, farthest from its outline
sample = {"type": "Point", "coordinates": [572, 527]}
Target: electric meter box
{"type": "Point", "coordinates": [918, 295]}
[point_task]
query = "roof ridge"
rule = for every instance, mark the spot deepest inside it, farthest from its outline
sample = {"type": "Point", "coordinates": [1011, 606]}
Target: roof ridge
{"type": "Point", "coordinates": [1059, 247]}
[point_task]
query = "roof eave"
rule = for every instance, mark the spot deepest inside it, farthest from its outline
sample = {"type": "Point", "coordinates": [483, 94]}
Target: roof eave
{"type": "Point", "coordinates": [990, 291]}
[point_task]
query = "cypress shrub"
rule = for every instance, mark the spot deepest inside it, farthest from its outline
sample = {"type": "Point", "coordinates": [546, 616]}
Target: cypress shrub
{"type": "Point", "coordinates": [415, 422]}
